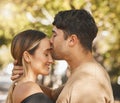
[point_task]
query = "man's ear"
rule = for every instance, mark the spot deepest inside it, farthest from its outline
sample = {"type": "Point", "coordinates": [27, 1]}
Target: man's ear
{"type": "Point", "coordinates": [26, 56]}
{"type": "Point", "coordinates": [72, 40]}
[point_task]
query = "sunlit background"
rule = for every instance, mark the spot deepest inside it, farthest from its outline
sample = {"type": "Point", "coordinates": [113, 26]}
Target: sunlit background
{"type": "Point", "coordinates": [18, 15]}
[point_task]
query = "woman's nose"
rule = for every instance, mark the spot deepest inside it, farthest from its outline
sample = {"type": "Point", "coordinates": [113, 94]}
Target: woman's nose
{"type": "Point", "coordinates": [51, 59]}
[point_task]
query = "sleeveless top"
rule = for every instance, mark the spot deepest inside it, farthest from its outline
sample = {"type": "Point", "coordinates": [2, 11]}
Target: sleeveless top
{"type": "Point", "coordinates": [37, 98]}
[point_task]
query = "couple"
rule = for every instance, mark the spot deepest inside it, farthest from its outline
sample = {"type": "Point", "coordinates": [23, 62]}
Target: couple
{"type": "Point", "coordinates": [73, 34]}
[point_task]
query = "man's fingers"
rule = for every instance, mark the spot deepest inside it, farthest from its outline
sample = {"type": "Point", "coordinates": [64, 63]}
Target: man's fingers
{"type": "Point", "coordinates": [15, 62]}
{"type": "Point", "coordinates": [18, 68]}
{"type": "Point", "coordinates": [17, 72]}
{"type": "Point", "coordinates": [14, 77]}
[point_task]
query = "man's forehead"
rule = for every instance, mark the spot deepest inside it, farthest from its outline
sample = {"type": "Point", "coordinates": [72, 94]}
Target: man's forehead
{"type": "Point", "coordinates": [55, 29]}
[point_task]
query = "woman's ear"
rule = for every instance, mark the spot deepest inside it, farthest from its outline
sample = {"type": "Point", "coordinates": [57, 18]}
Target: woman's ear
{"type": "Point", "coordinates": [26, 56]}
{"type": "Point", "coordinates": [72, 40]}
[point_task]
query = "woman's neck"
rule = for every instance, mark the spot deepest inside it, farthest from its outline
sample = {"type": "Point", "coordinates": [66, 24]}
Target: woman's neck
{"type": "Point", "coordinates": [29, 76]}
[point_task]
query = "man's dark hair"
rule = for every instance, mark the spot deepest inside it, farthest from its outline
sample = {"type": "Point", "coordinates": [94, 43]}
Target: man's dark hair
{"type": "Point", "coordinates": [79, 22]}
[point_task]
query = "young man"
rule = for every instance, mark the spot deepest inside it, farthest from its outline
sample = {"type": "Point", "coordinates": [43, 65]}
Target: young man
{"type": "Point", "coordinates": [73, 34]}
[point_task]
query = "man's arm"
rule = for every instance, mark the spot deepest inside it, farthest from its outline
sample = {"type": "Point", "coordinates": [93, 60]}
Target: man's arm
{"type": "Point", "coordinates": [16, 72]}
{"type": "Point", "coordinates": [56, 92]}
{"type": "Point", "coordinates": [46, 90]}
{"type": "Point", "coordinates": [52, 93]}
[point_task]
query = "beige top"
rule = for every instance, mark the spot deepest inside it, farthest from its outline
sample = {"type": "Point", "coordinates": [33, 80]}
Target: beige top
{"type": "Point", "coordinates": [89, 83]}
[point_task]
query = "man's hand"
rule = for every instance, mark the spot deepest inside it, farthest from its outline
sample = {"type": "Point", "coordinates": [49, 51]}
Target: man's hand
{"type": "Point", "coordinates": [16, 72]}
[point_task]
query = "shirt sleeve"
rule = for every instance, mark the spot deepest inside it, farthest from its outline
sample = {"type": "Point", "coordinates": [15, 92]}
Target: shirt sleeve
{"type": "Point", "coordinates": [37, 98]}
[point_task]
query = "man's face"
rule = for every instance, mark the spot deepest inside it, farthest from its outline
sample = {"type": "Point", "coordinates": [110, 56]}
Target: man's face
{"type": "Point", "coordinates": [58, 43]}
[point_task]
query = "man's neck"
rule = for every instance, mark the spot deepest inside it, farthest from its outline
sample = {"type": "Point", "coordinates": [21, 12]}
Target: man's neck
{"type": "Point", "coordinates": [77, 60]}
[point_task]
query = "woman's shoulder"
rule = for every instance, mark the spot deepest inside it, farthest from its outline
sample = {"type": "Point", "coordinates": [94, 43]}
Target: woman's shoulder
{"type": "Point", "coordinates": [30, 87]}
{"type": "Point", "coordinates": [23, 90]}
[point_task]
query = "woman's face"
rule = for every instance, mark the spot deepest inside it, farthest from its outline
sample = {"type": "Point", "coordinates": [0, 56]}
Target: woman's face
{"type": "Point", "coordinates": [41, 59]}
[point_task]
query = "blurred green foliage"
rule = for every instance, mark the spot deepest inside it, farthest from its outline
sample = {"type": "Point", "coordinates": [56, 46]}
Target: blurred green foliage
{"type": "Point", "coordinates": [17, 15]}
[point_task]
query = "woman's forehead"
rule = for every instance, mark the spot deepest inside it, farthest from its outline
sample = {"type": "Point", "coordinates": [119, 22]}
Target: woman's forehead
{"type": "Point", "coordinates": [45, 44]}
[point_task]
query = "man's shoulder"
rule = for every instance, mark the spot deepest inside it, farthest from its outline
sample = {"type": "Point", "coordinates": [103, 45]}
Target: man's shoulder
{"type": "Point", "coordinates": [91, 69]}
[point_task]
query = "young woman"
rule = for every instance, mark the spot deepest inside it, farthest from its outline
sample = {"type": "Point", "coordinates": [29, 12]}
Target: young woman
{"type": "Point", "coordinates": [32, 50]}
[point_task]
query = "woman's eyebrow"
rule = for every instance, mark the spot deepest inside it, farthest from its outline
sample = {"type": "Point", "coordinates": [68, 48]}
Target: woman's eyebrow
{"type": "Point", "coordinates": [48, 49]}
